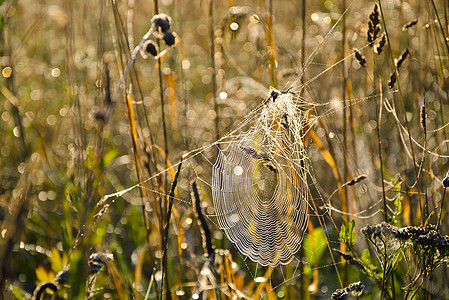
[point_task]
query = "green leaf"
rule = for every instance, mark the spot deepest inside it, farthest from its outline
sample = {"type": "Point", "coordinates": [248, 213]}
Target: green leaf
{"type": "Point", "coordinates": [342, 231]}
{"type": "Point", "coordinates": [366, 257]}
{"type": "Point", "coordinates": [18, 293]}
{"type": "Point", "coordinates": [351, 233]}
{"type": "Point", "coordinates": [110, 156]}
{"type": "Point", "coordinates": [78, 275]}
{"type": "Point", "coordinates": [366, 260]}
{"type": "Point", "coordinates": [347, 234]}
{"type": "Point", "coordinates": [2, 21]}
{"type": "Point", "coordinates": [398, 204]}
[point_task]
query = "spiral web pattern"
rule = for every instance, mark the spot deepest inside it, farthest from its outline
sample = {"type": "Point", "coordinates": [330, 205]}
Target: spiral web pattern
{"type": "Point", "coordinates": [259, 184]}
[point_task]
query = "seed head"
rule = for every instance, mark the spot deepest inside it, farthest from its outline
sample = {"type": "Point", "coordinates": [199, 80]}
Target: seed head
{"type": "Point", "coordinates": [392, 80]}
{"type": "Point", "coordinates": [402, 58]}
{"type": "Point", "coordinates": [351, 291]}
{"type": "Point", "coordinates": [162, 21]}
{"type": "Point", "coordinates": [422, 115]}
{"type": "Point", "coordinates": [206, 235]}
{"type": "Point", "coordinates": [169, 38]}
{"type": "Point", "coordinates": [151, 47]}
{"type": "Point", "coordinates": [357, 179]}
{"type": "Point", "coordinates": [374, 16]}
{"type": "Point", "coordinates": [380, 47]}
{"type": "Point", "coordinates": [373, 25]}
{"type": "Point", "coordinates": [361, 59]}
{"type": "Point", "coordinates": [409, 24]}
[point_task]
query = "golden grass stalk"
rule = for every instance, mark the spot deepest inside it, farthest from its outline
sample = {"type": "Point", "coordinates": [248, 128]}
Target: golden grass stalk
{"type": "Point", "coordinates": [271, 50]}
{"type": "Point", "coordinates": [132, 123]}
{"type": "Point", "coordinates": [214, 67]}
{"type": "Point", "coordinates": [404, 112]}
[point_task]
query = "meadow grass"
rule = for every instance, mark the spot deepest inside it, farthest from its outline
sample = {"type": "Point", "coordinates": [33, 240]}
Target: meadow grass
{"type": "Point", "coordinates": [108, 146]}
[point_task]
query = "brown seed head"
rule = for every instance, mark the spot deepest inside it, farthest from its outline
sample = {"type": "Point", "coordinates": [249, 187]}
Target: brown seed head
{"type": "Point", "coordinates": [373, 25]}
{"type": "Point", "coordinates": [380, 47]}
{"type": "Point", "coordinates": [402, 58]}
{"type": "Point", "coordinates": [409, 24]}
{"type": "Point", "coordinates": [162, 21]}
{"type": "Point", "coordinates": [361, 59]}
{"type": "Point", "coordinates": [169, 38]}
{"type": "Point", "coordinates": [422, 118]}
{"type": "Point", "coordinates": [151, 47]}
{"type": "Point", "coordinates": [392, 80]}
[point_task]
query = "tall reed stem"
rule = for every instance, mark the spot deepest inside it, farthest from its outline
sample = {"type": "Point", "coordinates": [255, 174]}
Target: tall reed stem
{"type": "Point", "coordinates": [165, 239]}
{"type": "Point", "coordinates": [270, 46]}
{"type": "Point", "coordinates": [164, 129]}
{"type": "Point", "coordinates": [214, 68]}
{"type": "Point", "coordinates": [379, 140]}
{"type": "Point", "coordinates": [404, 111]}
{"type": "Point", "coordinates": [161, 94]}
{"type": "Point", "coordinates": [302, 284]}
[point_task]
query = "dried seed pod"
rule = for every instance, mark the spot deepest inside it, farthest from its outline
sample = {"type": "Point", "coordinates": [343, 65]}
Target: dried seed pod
{"type": "Point", "coordinates": [370, 38]}
{"type": "Point", "coordinates": [169, 38]}
{"type": "Point", "coordinates": [402, 234]}
{"type": "Point", "coordinates": [162, 21]}
{"type": "Point", "coordinates": [380, 47]}
{"type": "Point", "coordinates": [370, 32]}
{"type": "Point", "coordinates": [422, 119]}
{"type": "Point", "coordinates": [351, 291]}
{"type": "Point", "coordinates": [206, 234]}
{"type": "Point", "coordinates": [376, 31]}
{"type": "Point", "coordinates": [402, 58]}
{"type": "Point", "coordinates": [357, 179]}
{"type": "Point", "coordinates": [409, 24]}
{"type": "Point", "coordinates": [373, 25]}
{"type": "Point", "coordinates": [151, 47]}
{"type": "Point", "coordinates": [374, 16]}
{"type": "Point", "coordinates": [368, 230]}
{"type": "Point", "coordinates": [361, 59]}
{"type": "Point", "coordinates": [392, 80]}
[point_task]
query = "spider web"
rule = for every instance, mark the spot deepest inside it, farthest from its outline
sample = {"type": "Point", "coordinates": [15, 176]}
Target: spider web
{"type": "Point", "coordinates": [259, 188]}
{"type": "Point", "coordinates": [258, 185]}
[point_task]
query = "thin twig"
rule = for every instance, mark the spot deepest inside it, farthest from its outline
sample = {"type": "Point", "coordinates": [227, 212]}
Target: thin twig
{"type": "Point", "coordinates": [441, 210]}
{"type": "Point", "coordinates": [167, 225]}
{"type": "Point", "coordinates": [133, 58]}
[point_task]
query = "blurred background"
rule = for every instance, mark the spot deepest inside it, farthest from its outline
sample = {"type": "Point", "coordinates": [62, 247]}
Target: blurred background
{"type": "Point", "coordinates": [68, 139]}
